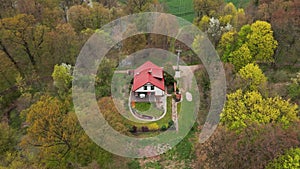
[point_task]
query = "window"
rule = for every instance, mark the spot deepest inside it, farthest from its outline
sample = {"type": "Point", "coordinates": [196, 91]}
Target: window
{"type": "Point", "coordinates": [145, 87]}
{"type": "Point", "coordinates": [152, 87]}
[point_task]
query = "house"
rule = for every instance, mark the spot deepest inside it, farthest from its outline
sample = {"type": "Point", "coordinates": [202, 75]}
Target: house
{"type": "Point", "coordinates": [148, 80]}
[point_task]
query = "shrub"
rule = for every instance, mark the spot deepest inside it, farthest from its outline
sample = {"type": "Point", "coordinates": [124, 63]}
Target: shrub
{"type": "Point", "coordinates": [290, 160]}
{"type": "Point", "coordinates": [163, 128]}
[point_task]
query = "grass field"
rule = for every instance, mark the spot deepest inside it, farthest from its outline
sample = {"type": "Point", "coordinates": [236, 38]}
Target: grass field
{"type": "Point", "coordinates": [181, 8]}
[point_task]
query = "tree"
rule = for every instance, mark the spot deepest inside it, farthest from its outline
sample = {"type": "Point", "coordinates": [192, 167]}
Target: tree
{"type": "Point", "coordinates": [204, 23]}
{"type": "Point", "coordinates": [241, 57]}
{"type": "Point", "coordinates": [111, 115]}
{"type": "Point", "coordinates": [134, 43]}
{"type": "Point", "coordinates": [54, 131]}
{"type": "Point", "coordinates": [253, 76]}
{"type": "Point", "coordinates": [7, 8]}
{"type": "Point", "coordinates": [136, 6]}
{"type": "Point", "coordinates": [261, 42]}
{"type": "Point", "coordinates": [164, 25]}
{"type": "Point", "coordinates": [108, 3]}
{"type": "Point", "coordinates": [21, 36]}
{"type": "Point", "coordinates": [104, 77]}
{"type": "Point", "coordinates": [99, 16]}
{"type": "Point", "coordinates": [226, 45]}
{"type": "Point", "coordinates": [8, 140]}
{"type": "Point", "coordinates": [289, 160]}
{"type": "Point", "coordinates": [62, 45]}
{"type": "Point", "coordinates": [253, 148]}
{"type": "Point", "coordinates": [62, 77]}
{"type": "Point", "coordinates": [207, 7]}
{"type": "Point", "coordinates": [284, 21]}
{"type": "Point", "coordinates": [169, 69]}
{"type": "Point", "coordinates": [294, 87]}
{"type": "Point", "coordinates": [79, 17]}
{"type": "Point", "coordinates": [242, 109]}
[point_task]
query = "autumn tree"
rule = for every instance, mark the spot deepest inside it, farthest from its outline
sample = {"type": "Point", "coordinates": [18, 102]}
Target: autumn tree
{"type": "Point", "coordinates": [289, 160]}
{"type": "Point", "coordinates": [253, 148]}
{"type": "Point", "coordinates": [7, 8]}
{"type": "Point", "coordinates": [226, 45]}
{"type": "Point", "coordinates": [253, 43]}
{"type": "Point", "coordinates": [111, 115]}
{"type": "Point", "coordinates": [62, 45]}
{"type": "Point", "coordinates": [252, 76]}
{"type": "Point", "coordinates": [79, 17]}
{"type": "Point", "coordinates": [55, 132]}
{"type": "Point", "coordinates": [136, 6]}
{"type": "Point", "coordinates": [240, 57]}
{"type": "Point", "coordinates": [21, 36]}
{"type": "Point", "coordinates": [108, 3]}
{"type": "Point", "coordinates": [164, 25]}
{"type": "Point", "coordinates": [284, 21]}
{"type": "Point", "coordinates": [244, 108]}
{"type": "Point", "coordinates": [207, 7]}
{"type": "Point", "coordinates": [134, 43]}
{"type": "Point", "coordinates": [261, 42]}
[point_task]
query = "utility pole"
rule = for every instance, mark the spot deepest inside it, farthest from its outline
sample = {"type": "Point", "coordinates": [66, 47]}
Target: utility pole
{"type": "Point", "coordinates": [178, 54]}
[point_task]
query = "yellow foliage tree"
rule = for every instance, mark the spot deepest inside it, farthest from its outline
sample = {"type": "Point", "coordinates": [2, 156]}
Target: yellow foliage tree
{"type": "Point", "coordinates": [242, 109]}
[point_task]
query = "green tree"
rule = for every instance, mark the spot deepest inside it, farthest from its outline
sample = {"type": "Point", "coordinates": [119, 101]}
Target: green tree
{"type": "Point", "coordinates": [294, 87]}
{"type": "Point", "coordinates": [242, 109]}
{"type": "Point", "coordinates": [168, 67]}
{"type": "Point", "coordinates": [104, 77]}
{"type": "Point", "coordinates": [8, 140]}
{"type": "Point", "coordinates": [241, 57]}
{"type": "Point", "coordinates": [226, 45]}
{"type": "Point", "coordinates": [252, 76]}
{"type": "Point", "coordinates": [62, 77]}
{"type": "Point", "coordinates": [261, 42]}
{"type": "Point", "coordinates": [204, 23]}
{"type": "Point", "coordinates": [289, 160]}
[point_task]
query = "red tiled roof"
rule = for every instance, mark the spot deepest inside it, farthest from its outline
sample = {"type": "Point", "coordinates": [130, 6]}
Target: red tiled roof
{"type": "Point", "coordinates": [148, 73]}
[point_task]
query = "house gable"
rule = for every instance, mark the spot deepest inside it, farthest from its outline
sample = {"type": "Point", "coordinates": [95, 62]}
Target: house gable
{"type": "Point", "coordinates": [148, 73]}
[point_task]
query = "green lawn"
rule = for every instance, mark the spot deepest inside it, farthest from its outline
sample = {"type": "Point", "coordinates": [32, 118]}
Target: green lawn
{"type": "Point", "coordinates": [148, 109]}
{"type": "Point", "coordinates": [142, 106]}
{"type": "Point", "coordinates": [164, 121]}
{"type": "Point", "coordinates": [181, 8]}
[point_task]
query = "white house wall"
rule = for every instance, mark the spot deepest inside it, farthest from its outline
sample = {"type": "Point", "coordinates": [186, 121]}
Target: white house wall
{"type": "Point", "coordinates": [158, 91]}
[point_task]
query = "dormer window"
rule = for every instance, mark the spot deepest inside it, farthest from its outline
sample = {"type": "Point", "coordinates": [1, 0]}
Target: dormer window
{"type": "Point", "coordinates": [145, 87]}
{"type": "Point", "coordinates": [152, 87]}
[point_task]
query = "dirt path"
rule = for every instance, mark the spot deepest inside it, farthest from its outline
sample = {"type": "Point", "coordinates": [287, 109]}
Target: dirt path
{"type": "Point", "coordinates": [186, 75]}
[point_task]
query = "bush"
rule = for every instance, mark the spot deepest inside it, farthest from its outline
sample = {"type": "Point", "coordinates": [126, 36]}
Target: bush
{"type": "Point", "coordinates": [290, 160]}
{"type": "Point", "coordinates": [133, 129]}
{"type": "Point", "coordinates": [163, 128]}
{"type": "Point", "coordinates": [145, 129]}
{"type": "Point", "coordinates": [153, 126]}
{"type": "Point", "coordinates": [134, 164]}
{"type": "Point", "coordinates": [171, 123]}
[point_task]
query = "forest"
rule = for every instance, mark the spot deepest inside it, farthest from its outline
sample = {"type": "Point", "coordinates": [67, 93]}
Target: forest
{"type": "Point", "coordinates": [256, 40]}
